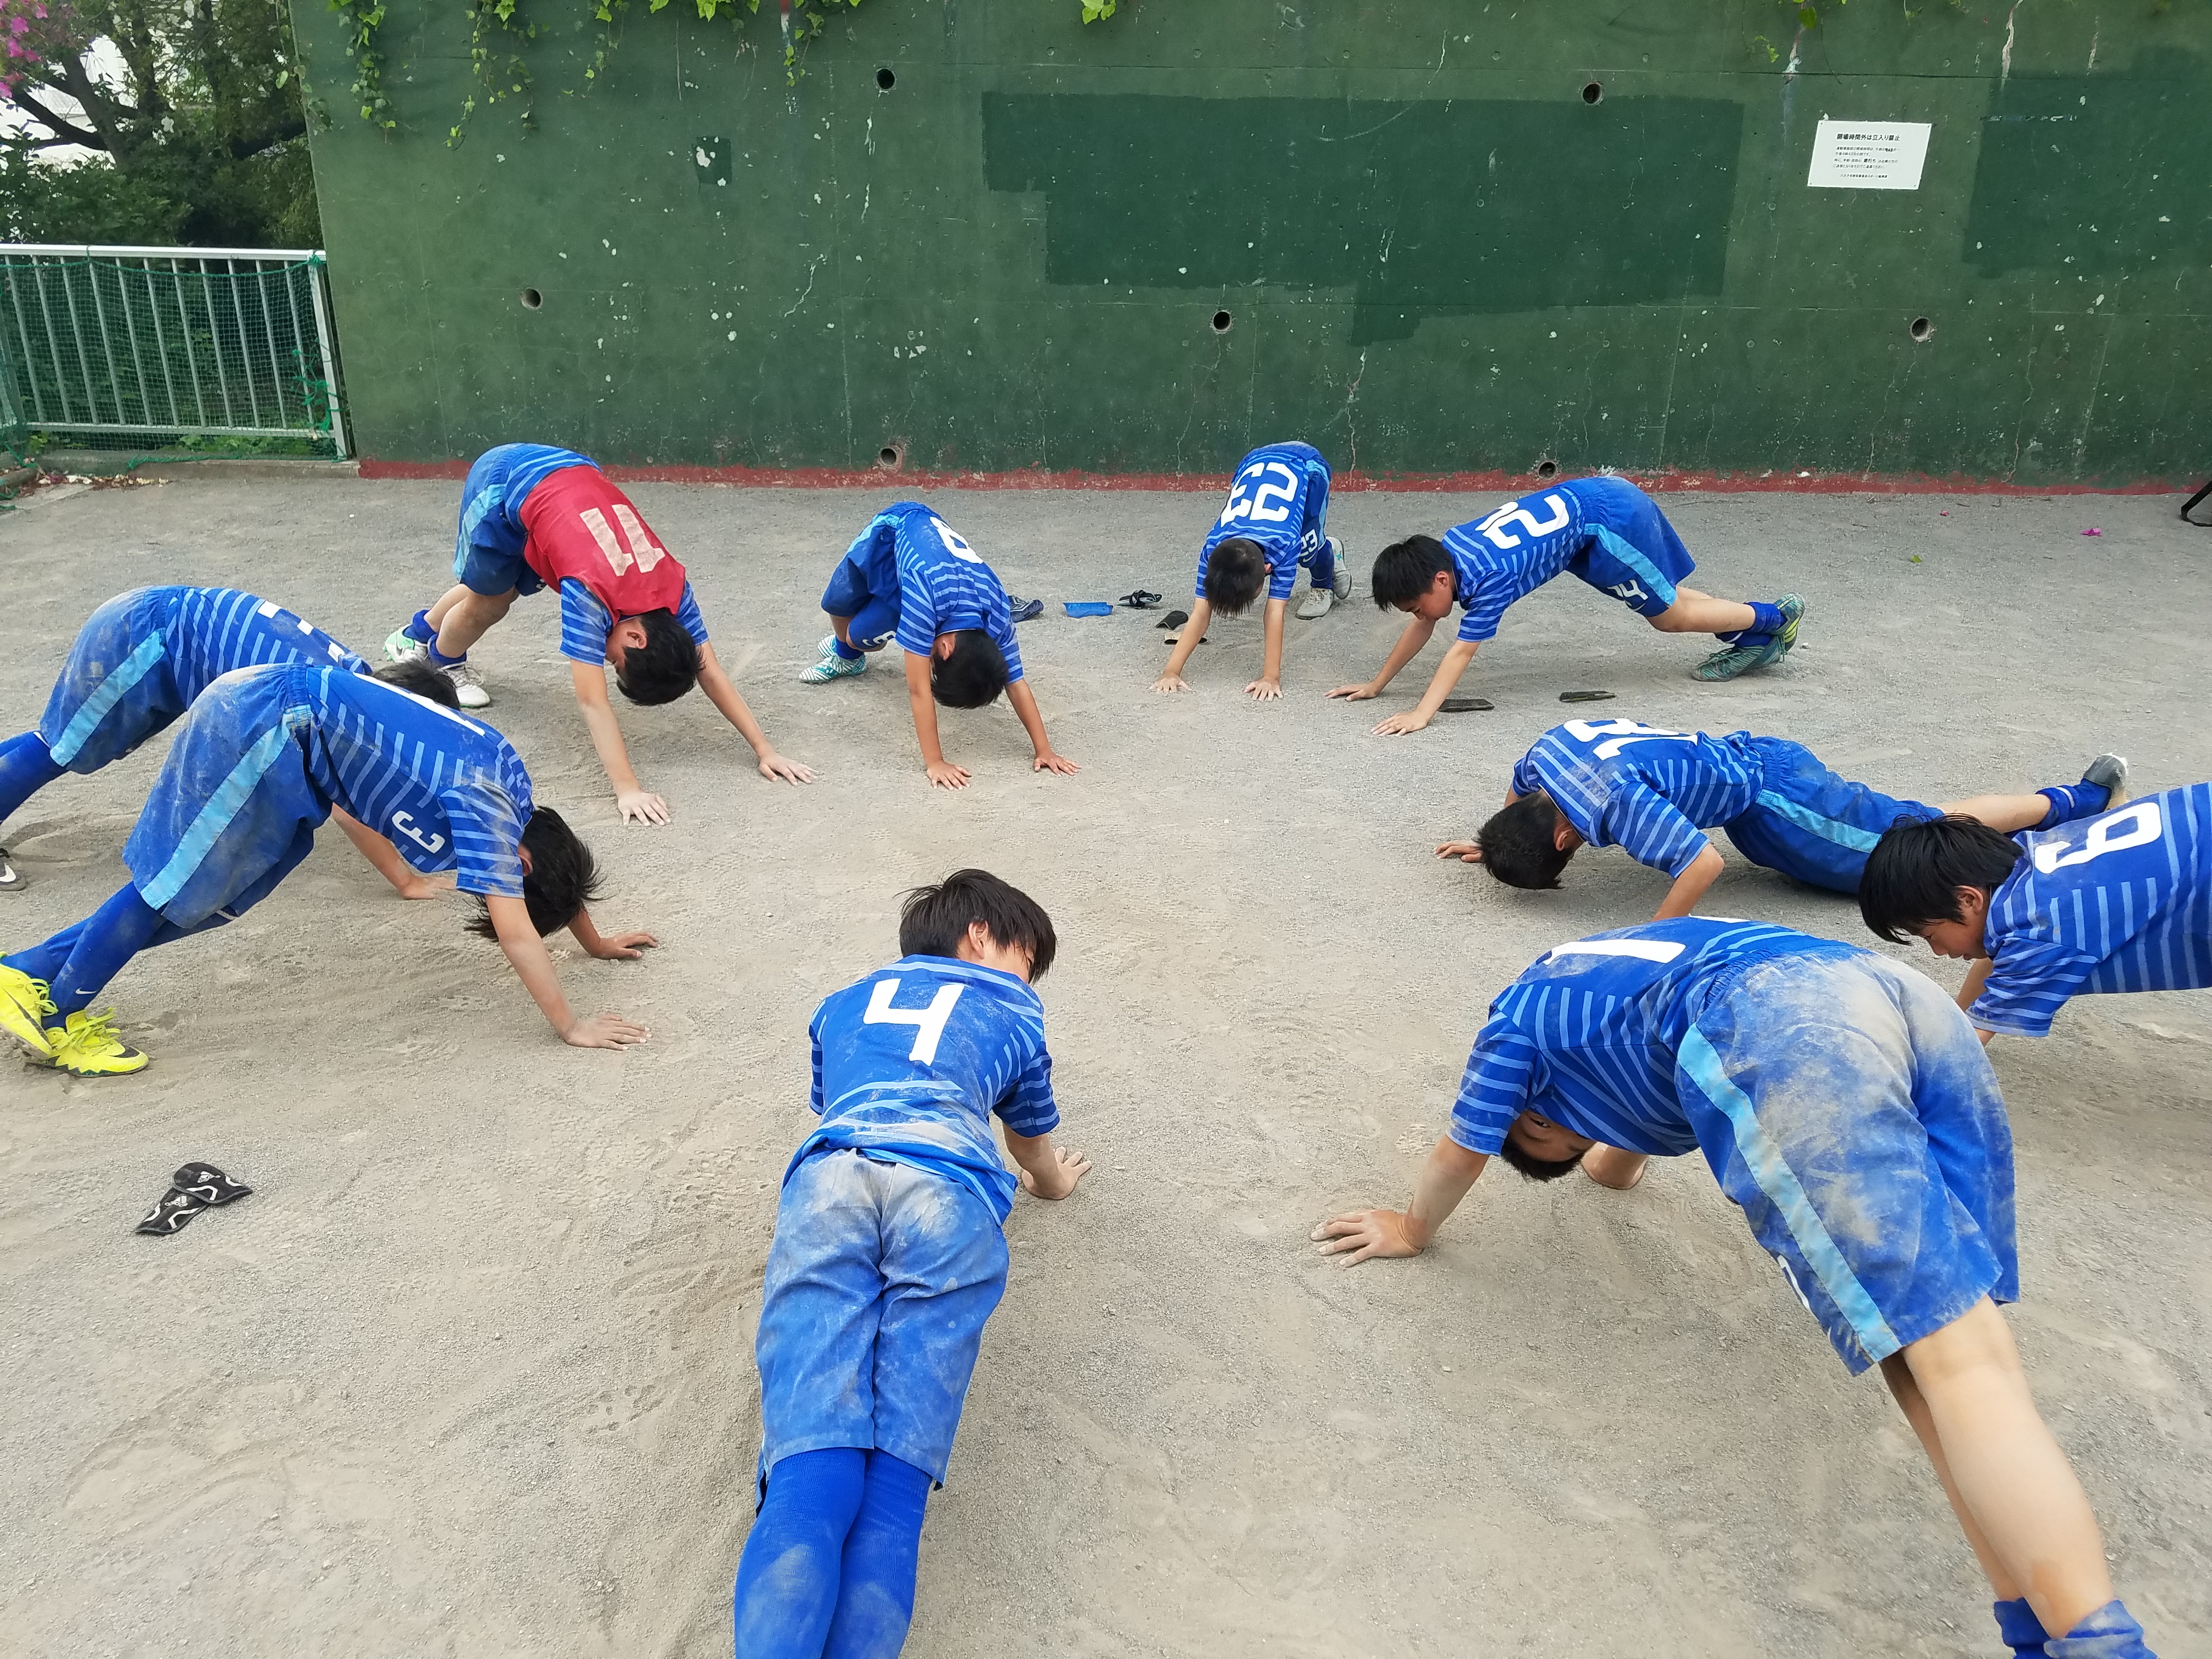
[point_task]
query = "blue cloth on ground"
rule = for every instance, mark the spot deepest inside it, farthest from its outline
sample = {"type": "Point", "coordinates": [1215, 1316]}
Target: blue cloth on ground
{"type": "Point", "coordinates": [910, 574]}
{"type": "Point", "coordinates": [2110, 1632]}
{"type": "Point", "coordinates": [488, 549]}
{"type": "Point", "coordinates": [2121, 902]}
{"type": "Point", "coordinates": [785, 1594]}
{"type": "Point", "coordinates": [1278, 498]}
{"type": "Point", "coordinates": [1839, 1098]}
{"type": "Point", "coordinates": [1604, 530]}
{"type": "Point", "coordinates": [879, 1281]}
{"type": "Point", "coordinates": [1088, 607]}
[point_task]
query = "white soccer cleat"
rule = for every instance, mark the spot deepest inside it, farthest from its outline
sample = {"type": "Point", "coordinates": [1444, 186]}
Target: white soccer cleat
{"type": "Point", "coordinates": [833, 667]}
{"type": "Point", "coordinates": [467, 687]}
{"type": "Point", "coordinates": [2110, 774]}
{"type": "Point", "coordinates": [1318, 603]}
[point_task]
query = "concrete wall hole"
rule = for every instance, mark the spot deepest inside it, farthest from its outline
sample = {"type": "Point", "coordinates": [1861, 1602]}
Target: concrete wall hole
{"type": "Point", "coordinates": [532, 299]}
{"type": "Point", "coordinates": [892, 456]}
{"type": "Point", "coordinates": [1221, 322]}
{"type": "Point", "coordinates": [886, 80]}
{"type": "Point", "coordinates": [1592, 91]}
{"type": "Point", "coordinates": [1921, 329]}
{"type": "Point", "coordinates": [1547, 469]}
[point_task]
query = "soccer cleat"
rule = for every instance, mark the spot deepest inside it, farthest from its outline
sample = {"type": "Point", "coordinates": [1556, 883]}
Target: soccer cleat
{"type": "Point", "coordinates": [1731, 661]}
{"type": "Point", "coordinates": [24, 1005]}
{"type": "Point", "coordinates": [86, 1044]}
{"type": "Point", "coordinates": [2110, 774]}
{"type": "Point", "coordinates": [11, 879]}
{"type": "Point", "coordinates": [1343, 568]}
{"type": "Point", "coordinates": [399, 645]}
{"type": "Point", "coordinates": [1021, 610]}
{"type": "Point", "coordinates": [1316, 603]}
{"type": "Point", "coordinates": [1793, 612]}
{"type": "Point", "coordinates": [833, 666]}
{"type": "Point", "coordinates": [467, 687]}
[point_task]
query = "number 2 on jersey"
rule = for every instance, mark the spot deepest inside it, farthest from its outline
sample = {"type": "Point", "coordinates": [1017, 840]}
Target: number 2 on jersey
{"type": "Point", "coordinates": [928, 1022]}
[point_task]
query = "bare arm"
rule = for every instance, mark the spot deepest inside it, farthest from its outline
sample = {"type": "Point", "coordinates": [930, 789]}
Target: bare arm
{"type": "Point", "coordinates": [1170, 679]}
{"type": "Point", "coordinates": [533, 965]}
{"type": "Point", "coordinates": [1978, 976]}
{"type": "Point", "coordinates": [724, 696]}
{"type": "Point", "coordinates": [1444, 1181]}
{"type": "Point", "coordinates": [942, 772]}
{"type": "Point", "coordinates": [618, 947]}
{"type": "Point", "coordinates": [1270, 682]}
{"type": "Point", "coordinates": [1025, 710]}
{"type": "Point", "coordinates": [1045, 1172]}
{"type": "Point", "coordinates": [631, 801]}
{"type": "Point", "coordinates": [1411, 642]}
{"type": "Point", "coordinates": [1689, 887]}
{"type": "Point", "coordinates": [1440, 687]}
{"type": "Point", "coordinates": [405, 880]}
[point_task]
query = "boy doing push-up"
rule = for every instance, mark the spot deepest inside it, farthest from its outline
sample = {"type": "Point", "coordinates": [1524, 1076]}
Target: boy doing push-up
{"type": "Point", "coordinates": [2121, 902]}
{"type": "Point", "coordinates": [889, 1257]}
{"type": "Point", "coordinates": [264, 757]}
{"type": "Point", "coordinates": [911, 577]}
{"type": "Point", "coordinates": [1604, 530]}
{"type": "Point", "coordinates": [534, 517]}
{"type": "Point", "coordinates": [1654, 792]}
{"type": "Point", "coordinates": [1273, 527]}
{"type": "Point", "coordinates": [1844, 1106]}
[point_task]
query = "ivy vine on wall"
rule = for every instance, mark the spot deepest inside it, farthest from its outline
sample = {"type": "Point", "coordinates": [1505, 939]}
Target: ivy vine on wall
{"type": "Point", "coordinates": [496, 33]}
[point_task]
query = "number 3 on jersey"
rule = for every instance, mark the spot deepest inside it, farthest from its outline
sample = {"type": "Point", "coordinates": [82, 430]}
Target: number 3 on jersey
{"type": "Point", "coordinates": [1257, 507]}
{"type": "Point", "coordinates": [928, 1022]}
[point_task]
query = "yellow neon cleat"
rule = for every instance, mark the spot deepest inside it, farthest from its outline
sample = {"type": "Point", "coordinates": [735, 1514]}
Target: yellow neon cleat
{"type": "Point", "coordinates": [24, 1005]}
{"type": "Point", "coordinates": [88, 1046]}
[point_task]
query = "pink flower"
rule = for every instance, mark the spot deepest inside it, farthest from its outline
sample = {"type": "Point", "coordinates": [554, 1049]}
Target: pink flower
{"type": "Point", "coordinates": [19, 25]}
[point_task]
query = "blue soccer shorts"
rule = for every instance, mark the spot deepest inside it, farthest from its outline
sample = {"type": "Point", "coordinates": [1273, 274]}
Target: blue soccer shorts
{"type": "Point", "coordinates": [878, 1283]}
{"type": "Point", "coordinates": [117, 689]}
{"type": "Point", "coordinates": [489, 570]}
{"type": "Point", "coordinates": [873, 616]}
{"type": "Point", "coordinates": [1848, 1109]}
{"type": "Point", "coordinates": [1810, 824]}
{"type": "Point", "coordinates": [1634, 553]}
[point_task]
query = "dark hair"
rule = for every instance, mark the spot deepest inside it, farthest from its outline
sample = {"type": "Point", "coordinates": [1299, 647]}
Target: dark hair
{"type": "Point", "coordinates": [416, 674]}
{"type": "Point", "coordinates": [1404, 570]}
{"type": "Point", "coordinates": [665, 666]}
{"type": "Point", "coordinates": [1913, 875]}
{"type": "Point", "coordinates": [933, 921]}
{"type": "Point", "coordinates": [1519, 844]}
{"type": "Point", "coordinates": [1235, 571]}
{"type": "Point", "coordinates": [1533, 1167]}
{"type": "Point", "coordinates": [971, 674]}
{"type": "Point", "coordinates": [563, 877]}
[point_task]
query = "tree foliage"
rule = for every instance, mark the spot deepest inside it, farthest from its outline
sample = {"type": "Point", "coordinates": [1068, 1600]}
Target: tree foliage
{"type": "Point", "coordinates": [195, 119]}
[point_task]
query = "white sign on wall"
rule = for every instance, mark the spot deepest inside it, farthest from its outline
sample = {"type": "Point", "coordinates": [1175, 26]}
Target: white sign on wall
{"type": "Point", "coordinates": [1868, 155]}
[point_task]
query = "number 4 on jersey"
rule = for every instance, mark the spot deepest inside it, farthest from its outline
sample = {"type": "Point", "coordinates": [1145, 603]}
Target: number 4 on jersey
{"type": "Point", "coordinates": [928, 1022]}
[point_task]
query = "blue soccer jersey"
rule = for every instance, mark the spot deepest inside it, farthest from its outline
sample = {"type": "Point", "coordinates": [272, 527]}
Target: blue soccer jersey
{"type": "Point", "coordinates": [499, 482]}
{"type": "Point", "coordinates": [447, 791]}
{"type": "Point", "coordinates": [1280, 499]}
{"type": "Point", "coordinates": [1588, 1035]}
{"type": "Point", "coordinates": [586, 623]}
{"type": "Point", "coordinates": [1604, 529]}
{"type": "Point", "coordinates": [942, 585]}
{"type": "Point", "coordinates": [910, 1063]}
{"type": "Point", "coordinates": [209, 631]}
{"type": "Point", "coordinates": [2122, 902]}
{"type": "Point", "coordinates": [1649, 790]}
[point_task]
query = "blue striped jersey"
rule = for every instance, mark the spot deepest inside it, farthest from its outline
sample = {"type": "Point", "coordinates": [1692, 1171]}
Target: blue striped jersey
{"type": "Point", "coordinates": [1514, 550]}
{"type": "Point", "coordinates": [2122, 902]}
{"type": "Point", "coordinates": [447, 790]}
{"type": "Point", "coordinates": [208, 631]}
{"type": "Point", "coordinates": [500, 481]}
{"type": "Point", "coordinates": [910, 1063]}
{"type": "Point", "coordinates": [1280, 499]}
{"type": "Point", "coordinates": [943, 584]}
{"type": "Point", "coordinates": [584, 623]}
{"type": "Point", "coordinates": [1587, 1036]}
{"type": "Point", "coordinates": [1649, 790]}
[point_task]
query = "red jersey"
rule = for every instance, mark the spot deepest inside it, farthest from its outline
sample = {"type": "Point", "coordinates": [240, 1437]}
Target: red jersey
{"type": "Point", "coordinates": [576, 524]}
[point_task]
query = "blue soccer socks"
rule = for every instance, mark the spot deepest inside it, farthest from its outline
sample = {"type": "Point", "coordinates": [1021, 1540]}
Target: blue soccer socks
{"type": "Point", "coordinates": [875, 1596]}
{"type": "Point", "coordinates": [27, 766]}
{"type": "Point", "coordinates": [420, 629]}
{"type": "Point", "coordinates": [788, 1577]}
{"type": "Point", "coordinates": [2018, 1627]}
{"type": "Point", "coordinates": [2108, 1633]}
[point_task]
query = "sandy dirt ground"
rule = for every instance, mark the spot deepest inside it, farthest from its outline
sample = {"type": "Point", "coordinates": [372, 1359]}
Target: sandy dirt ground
{"type": "Point", "coordinates": [470, 1373]}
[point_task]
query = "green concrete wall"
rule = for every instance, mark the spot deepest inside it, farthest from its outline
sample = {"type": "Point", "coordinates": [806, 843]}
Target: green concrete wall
{"type": "Point", "coordinates": [1434, 254]}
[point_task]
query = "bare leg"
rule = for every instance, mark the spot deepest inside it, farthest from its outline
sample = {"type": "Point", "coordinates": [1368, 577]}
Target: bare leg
{"type": "Point", "coordinates": [1609, 1166]}
{"type": "Point", "coordinates": [843, 625]}
{"type": "Point", "coordinates": [1693, 612]}
{"type": "Point", "coordinates": [2001, 812]}
{"type": "Point", "coordinates": [2024, 1511]}
{"type": "Point", "coordinates": [1898, 1375]}
{"type": "Point", "coordinates": [463, 617]}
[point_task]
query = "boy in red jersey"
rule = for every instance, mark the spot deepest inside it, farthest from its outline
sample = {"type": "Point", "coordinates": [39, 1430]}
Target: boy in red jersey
{"type": "Point", "coordinates": [534, 517]}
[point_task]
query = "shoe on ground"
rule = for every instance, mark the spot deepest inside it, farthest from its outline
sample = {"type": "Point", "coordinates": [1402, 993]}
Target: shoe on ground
{"type": "Point", "coordinates": [833, 666]}
{"type": "Point", "coordinates": [11, 879]}
{"type": "Point", "coordinates": [1318, 603]}
{"type": "Point", "coordinates": [1793, 612]}
{"type": "Point", "coordinates": [86, 1045]}
{"type": "Point", "coordinates": [1343, 568]}
{"type": "Point", "coordinates": [1761, 652]}
{"type": "Point", "coordinates": [2110, 774]}
{"type": "Point", "coordinates": [24, 1005]}
{"type": "Point", "coordinates": [1021, 610]}
{"type": "Point", "coordinates": [400, 646]}
{"type": "Point", "coordinates": [467, 687]}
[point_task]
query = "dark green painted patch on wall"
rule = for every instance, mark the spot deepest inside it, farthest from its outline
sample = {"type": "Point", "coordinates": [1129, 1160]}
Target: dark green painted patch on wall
{"type": "Point", "coordinates": [1422, 210]}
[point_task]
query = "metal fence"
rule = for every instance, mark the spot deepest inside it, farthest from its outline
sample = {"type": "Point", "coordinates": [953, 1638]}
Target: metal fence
{"type": "Point", "coordinates": [165, 344]}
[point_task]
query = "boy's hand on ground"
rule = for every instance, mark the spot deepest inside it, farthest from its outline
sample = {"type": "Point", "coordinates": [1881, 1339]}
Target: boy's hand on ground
{"type": "Point", "coordinates": [638, 804]}
{"type": "Point", "coordinates": [1363, 1233]}
{"type": "Point", "coordinates": [1399, 724]}
{"type": "Point", "coordinates": [427, 887]}
{"type": "Point", "coordinates": [1071, 1169]}
{"type": "Point", "coordinates": [1264, 690]}
{"type": "Point", "coordinates": [773, 765]}
{"type": "Point", "coordinates": [1359, 693]}
{"type": "Point", "coordinates": [945, 776]}
{"type": "Point", "coordinates": [623, 947]}
{"type": "Point", "coordinates": [1465, 852]}
{"type": "Point", "coordinates": [1049, 762]}
{"type": "Point", "coordinates": [604, 1031]}
{"type": "Point", "coordinates": [1170, 682]}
